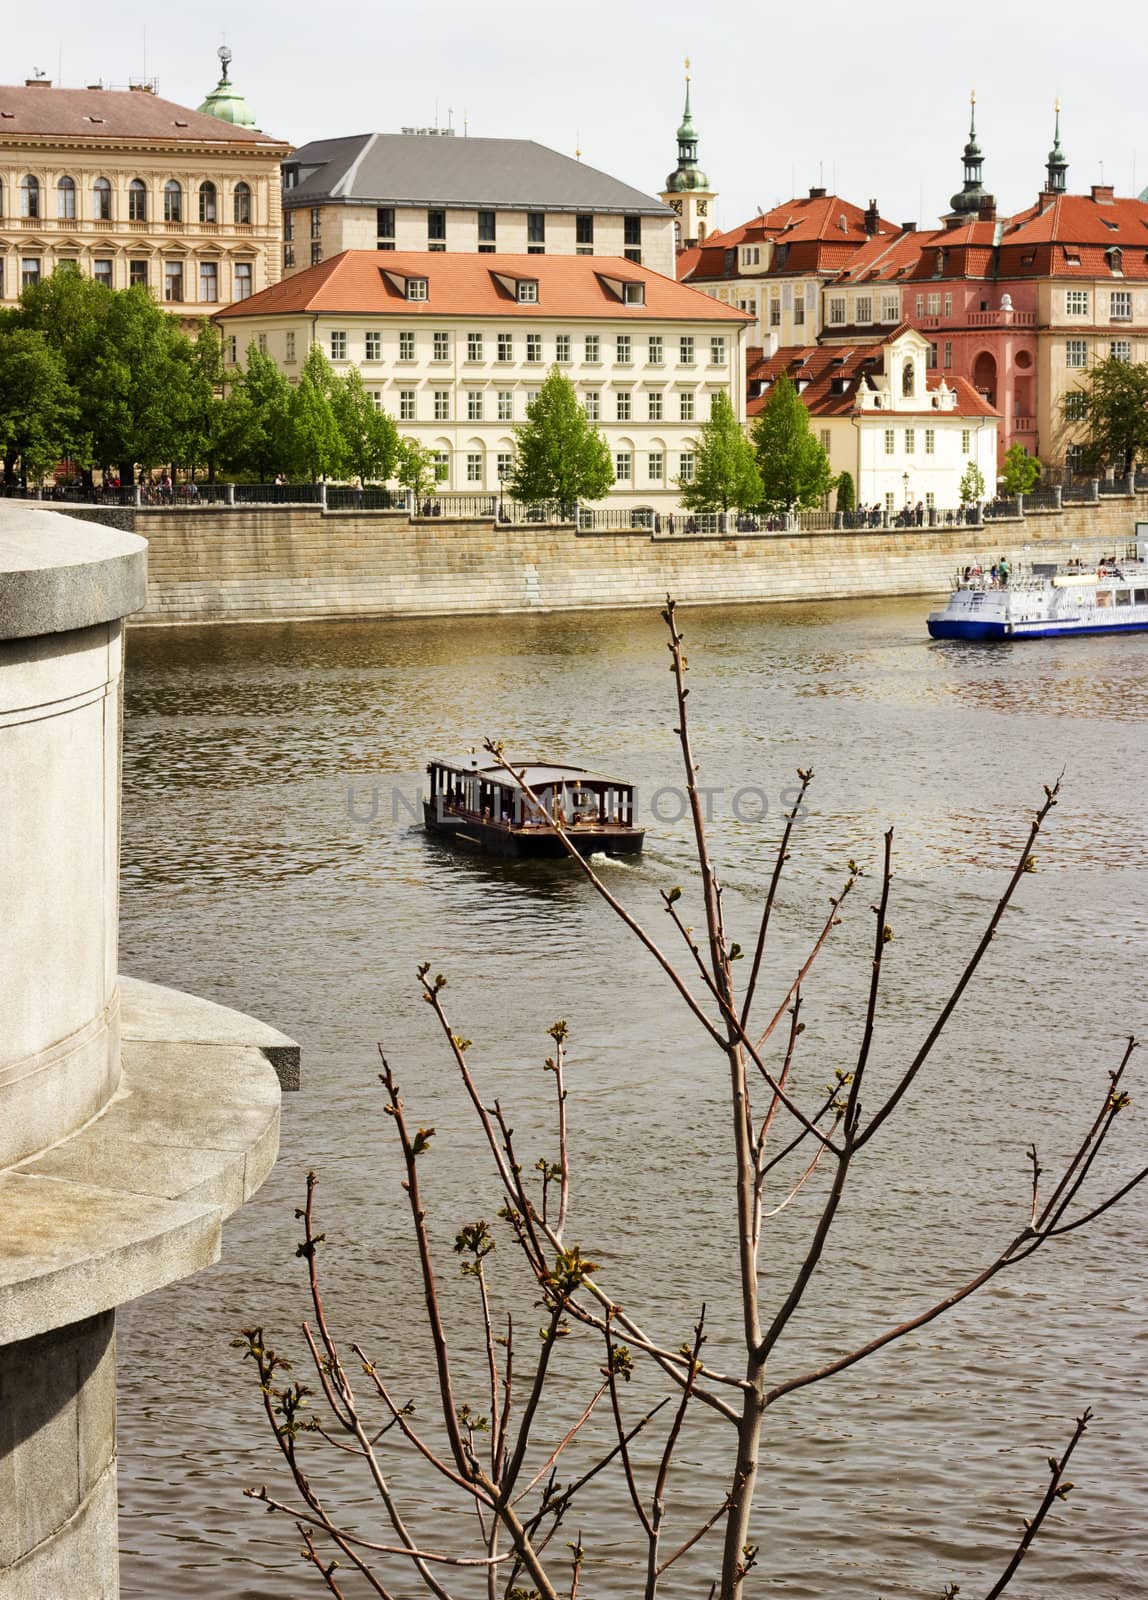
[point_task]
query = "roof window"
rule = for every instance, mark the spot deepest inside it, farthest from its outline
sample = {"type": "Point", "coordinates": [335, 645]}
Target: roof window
{"type": "Point", "coordinates": [634, 294]}
{"type": "Point", "coordinates": [527, 291]}
{"type": "Point", "coordinates": [416, 288]}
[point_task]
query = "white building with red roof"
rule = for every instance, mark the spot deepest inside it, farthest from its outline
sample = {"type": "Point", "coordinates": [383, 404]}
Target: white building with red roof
{"type": "Point", "coordinates": [455, 345]}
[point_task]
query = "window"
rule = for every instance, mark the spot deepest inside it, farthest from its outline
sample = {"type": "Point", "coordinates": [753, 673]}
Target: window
{"type": "Point", "coordinates": [534, 347]}
{"type": "Point", "coordinates": [406, 345]}
{"type": "Point", "coordinates": [289, 352]}
{"type": "Point", "coordinates": [931, 501]}
{"type": "Point", "coordinates": [416, 289]}
{"type": "Point", "coordinates": [1076, 302]}
{"type": "Point", "coordinates": [241, 203]}
{"type": "Point", "coordinates": [29, 271]}
{"type": "Point", "coordinates": [592, 405]}
{"type": "Point", "coordinates": [1076, 352]}
{"type": "Point", "coordinates": [654, 405]}
{"type": "Point", "coordinates": [406, 405]}
{"type": "Point", "coordinates": [931, 357]}
{"type": "Point", "coordinates": [436, 229]}
{"type": "Point", "coordinates": [385, 222]}
{"type": "Point", "coordinates": [910, 441]}
{"type": "Point", "coordinates": [30, 197]}
{"type": "Point", "coordinates": [339, 345]}
{"type": "Point", "coordinates": [208, 282]}
{"type": "Point", "coordinates": [826, 439]}
{"type": "Point", "coordinates": [486, 227]}
{"type": "Point", "coordinates": [288, 224]}
{"type": "Point", "coordinates": [441, 346]}
{"type": "Point", "coordinates": [261, 343]}
{"type": "Point", "coordinates": [864, 308]}
{"type": "Point", "coordinates": [717, 351]}
{"type": "Point", "coordinates": [623, 466]}
{"type": "Point", "coordinates": [1075, 405]}
{"type": "Point", "coordinates": [656, 350]}
{"type": "Point", "coordinates": [584, 230]}
{"type": "Point", "coordinates": [172, 201]}
{"type": "Point", "coordinates": [504, 463]}
{"type": "Point", "coordinates": [474, 468]}
{"type": "Point", "coordinates": [948, 305]}
{"type": "Point", "coordinates": [623, 405]}
{"type": "Point", "coordinates": [102, 200]}
{"type": "Point", "coordinates": [890, 308]}
{"type": "Point", "coordinates": [230, 350]}
{"type": "Point", "coordinates": [316, 252]}
{"type": "Point", "coordinates": [799, 307]}
{"type": "Point", "coordinates": [1120, 349]}
{"type": "Point", "coordinates": [1120, 305]}
{"type": "Point", "coordinates": [441, 466]}
{"type": "Point", "coordinates": [686, 405]}
{"type": "Point", "coordinates": [66, 198]}
{"type": "Point", "coordinates": [593, 350]}
{"type": "Point", "coordinates": [373, 346]}
{"type": "Point", "coordinates": [837, 310]}
{"type": "Point", "coordinates": [376, 398]}
{"type": "Point", "coordinates": [933, 304]}
{"type": "Point", "coordinates": [966, 440]}
{"type": "Point", "coordinates": [442, 405]}
{"type": "Point", "coordinates": [632, 238]}
{"type": "Point", "coordinates": [890, 441]}
{"type": "Point", "coordinates": [288, 256]}
{"type": "Point", "coordinates": [656, 470]}
{"type": "Point", "coordinates": [102, 272]}
{"type": "Point", "coordinates": [528, 291]}
{"type": "Point", "coordinates": [775, 313]}
{"type": "Point", "coordinates": [535, 233]}
{"type": "Point", "coordinates": [948, 352]}
{"type": "Point", "coordinates": [686, 349]}
{"type": "Point", "coordinates": [207, 202]}
{"type": "Point", "coordinates": [137, 201]}
{"type": "Point", "coordinates": [634, 294]}
{"type": "Point", "coordinates": [625, 349]}
{"type": "Point", "coordinates": [562, 349]}
{"type": "Point", "coordinates": [506, 405]}
{"type": "Point", "coordinates": [920, 305]}
{"type": "Point", "coordinates": [930, 441]}
{"type": "Point", "coordinates": [474, 405]}
{"type": "Point", "coordinates": [316, 222]}
{"type": "Point", "coordinates": [474, 347]}
{"type": "Point", "coordinates": [173, 280]}
{"type": "Point", "coordinates": [242, 281]}
{"type": "Point", "coordinates": [137, 274]}
{"type": "Point", "coordinates": [687, 466]}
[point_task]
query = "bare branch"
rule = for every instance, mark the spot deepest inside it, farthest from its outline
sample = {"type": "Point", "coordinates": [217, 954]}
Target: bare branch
{"type": "Point", "coordinates": [1057, 1490]}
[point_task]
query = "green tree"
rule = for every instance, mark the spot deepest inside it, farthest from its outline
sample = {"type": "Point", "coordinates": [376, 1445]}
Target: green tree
{"type": "Point", "coordinates": [972, 487]}
{"type": "Point", "coordinates": [560, 455]}
{"type": "Point", "coordinates": [1116, 406]}
{"type": "Point", "coordinates": [725, 472]}
{"type": "Point", "coordinates": [37, 404]}
{"type": "Point", "coordinates": [1020, 470]}
{"type": "Point", "coordinates": [317, 447]}
{"type": "Point", "coordinates": [260, 430]}
{"type": "Point", "coordinates": [846, 494]}
{"type": "Point", "coordinates": [795, 471]}
{"type": "Point", "coordinates": [415, 468]}
{"type": "Point", "coordinates": [370, 438]}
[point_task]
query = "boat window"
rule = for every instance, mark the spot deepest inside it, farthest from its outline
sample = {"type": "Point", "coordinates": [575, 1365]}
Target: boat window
{"type": "Point", "coordinates": [1124, 597]}
{"type": "Point", "coordinates": [1141, 597]}
{"type": "Point", "coordinates": [1104, 597]}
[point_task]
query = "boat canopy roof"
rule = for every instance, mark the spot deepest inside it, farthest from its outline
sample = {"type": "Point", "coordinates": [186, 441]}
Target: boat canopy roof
{"type": "Point", "coordinates": [536, 774]}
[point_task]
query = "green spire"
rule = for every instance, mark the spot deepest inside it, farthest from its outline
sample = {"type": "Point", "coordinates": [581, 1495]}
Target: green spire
{"type": "Point", "coordinates": [223, 101]}
{"type": "Point", "coordinates": [1057, 168]}
{"type": "Point", "coordinates": [688, 175]}
{"type": "Point", "coordinates": [972, 195]}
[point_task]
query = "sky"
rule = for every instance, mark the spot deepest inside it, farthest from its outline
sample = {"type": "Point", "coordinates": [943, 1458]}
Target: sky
{"type": "Point", "coordinates": [869, 101]}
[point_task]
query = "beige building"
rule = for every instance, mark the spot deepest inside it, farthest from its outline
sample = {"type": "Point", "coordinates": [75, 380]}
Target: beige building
{"type": "Point", "coordinates": [455, 346]}
{"type": "Point", "coordinates": [429, 189]}
{"type": "Point", "coordinates": [133, 189]}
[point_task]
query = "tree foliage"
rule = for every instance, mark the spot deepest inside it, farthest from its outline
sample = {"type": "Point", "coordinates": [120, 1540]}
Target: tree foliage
{"type": "Point", "coordinates": [794, 468]}
{"type": "Point", "coordinates": [370, 438]}
{"type": "Point", "coordinates": [1116, 407]}
{"type": "Point", "coordinates": [415, 467]}
{"type": "Point", "coordinates": [1021, 470]}
{"type": "Point", "coordinates": [317, 448]}
{"type": "Point", "coordinates": [725, 471]}
{"type": "Point", "coordinates": [37, 407]}
{"type": "Point", "coordinates": [560, 455]}
{"type": "Point", "coordinates": [972, 485]}
{"type": "Point", "coordinates": [846, 493]}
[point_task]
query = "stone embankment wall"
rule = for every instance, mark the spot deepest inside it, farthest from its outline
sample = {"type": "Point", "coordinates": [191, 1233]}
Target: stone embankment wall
{"type": "Point", "coordinates": [283, 563]}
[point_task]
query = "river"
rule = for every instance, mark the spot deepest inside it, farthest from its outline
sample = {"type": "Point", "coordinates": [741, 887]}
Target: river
{"type": "Point", "coordinates": [270, 861]}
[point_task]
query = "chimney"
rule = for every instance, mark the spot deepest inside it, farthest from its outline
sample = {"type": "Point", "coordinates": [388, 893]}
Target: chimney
{"type": "Point", "coordinates": [909, 227]}
{"type": "Point", "coordinates": [1103, 193]}
{"type": "Point", "coordinates": [987, 211]}
{"type": "Point", "coordinates": [872, 218]}
{"type": "Point", "coordinates": [37, 83]}
{"type": "Point", "coordinates": [817, 194]}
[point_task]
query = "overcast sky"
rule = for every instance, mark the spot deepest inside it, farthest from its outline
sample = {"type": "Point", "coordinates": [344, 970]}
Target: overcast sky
{"type": "Point", "coordinates": [870, 100]}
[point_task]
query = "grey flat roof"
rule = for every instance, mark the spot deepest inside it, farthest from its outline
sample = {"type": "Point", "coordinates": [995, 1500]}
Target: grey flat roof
{"type": "Point", "coordinates": [430, 169]}
{"type": "Point", "coordinates": [538, 774]}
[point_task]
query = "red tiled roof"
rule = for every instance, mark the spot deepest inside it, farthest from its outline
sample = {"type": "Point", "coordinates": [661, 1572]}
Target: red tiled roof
{"type": "Point", "coordinates": [466, 284]}
{"type": "Point", "coordinates": [821, 365]}
{"type": "Point", "coordinates": [821, 231]}
{"type": "Point", "coordinates": [94, 115]}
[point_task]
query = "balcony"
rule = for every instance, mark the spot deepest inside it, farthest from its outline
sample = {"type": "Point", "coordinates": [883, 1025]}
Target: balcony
{"type": "Point", "coordinates": [1002, 319]}
{"type": "Point", "coordinates": [1024, 425]}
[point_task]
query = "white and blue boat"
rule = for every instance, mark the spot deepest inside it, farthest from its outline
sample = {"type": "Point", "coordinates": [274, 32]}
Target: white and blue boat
{"type": "Point", "coordinates": [1048, 600]}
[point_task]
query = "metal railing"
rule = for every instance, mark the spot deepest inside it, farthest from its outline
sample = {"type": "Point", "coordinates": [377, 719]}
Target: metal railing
{"type": "Point", "coordinates": [514, 513]}
{"type": "Point", "coordinates": [372, 497]}
{"type": "Point", "coordinates": [1002, 506]}
{"type": "Point", "coordinates": [448, 504]}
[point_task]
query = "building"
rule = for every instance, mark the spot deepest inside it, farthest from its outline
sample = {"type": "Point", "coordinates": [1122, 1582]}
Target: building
{"type": "Point", "coordinates": [428, 189]}
{"type": "Point", "coordinates": [133, 189]}
{"type": "Point", "coordinates": [903, 431]}
{"type": "Point", "coordinates": [455, 348]}
{"type": "Point", "coordinates": [687, 190]}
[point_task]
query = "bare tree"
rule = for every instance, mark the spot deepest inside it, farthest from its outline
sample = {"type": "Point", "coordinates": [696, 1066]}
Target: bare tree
{"type": "Point", "coordinates": [503, 1456]}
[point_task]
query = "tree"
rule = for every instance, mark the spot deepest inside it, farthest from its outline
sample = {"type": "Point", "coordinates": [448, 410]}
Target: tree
{"type": "Point", "coordinates": [725, 472]}
{"type": "Point", "coordinates": [560, 455]}
{"type": "Point", "coordinates": [370, 438]}
{"type": "Point", "coordinates": [1020, 470]}
{"type": "Point", "coordinates": [795, 471]}
{"type": "Point", "coordinates": [846, 494]}
{"type": "Point", "coordinates": [415, 468]}
{"type": "Point", "coordinates": [1116, 408]}
{"type": "Point", "coordinates": [972, 485]}
{"type": "Point", "coordinates": [317, 447]}
{"type": "Point", "coordinates": [37, 404]}
{"type": "Point", "coordinates": [511, 1429]}
{"type": "Point", "coordinates": [261, 428]}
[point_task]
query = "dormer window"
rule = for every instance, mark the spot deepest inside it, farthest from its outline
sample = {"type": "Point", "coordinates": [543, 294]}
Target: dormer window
{"type": "Point", "coordinates": [634, 294]}
{"type": "Point", "coordinates": [527, 292]}
{"type": "Point", "coordinates": [1115, 258]}
{"type": "Point", "coordinates": [416, 289]}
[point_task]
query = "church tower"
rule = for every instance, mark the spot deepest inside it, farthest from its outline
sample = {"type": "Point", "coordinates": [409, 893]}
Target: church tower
{"type": "Point", "coordinates": [972, 198]}
{"type": "Point", "coordinates": [687, 187]}
{"type": "Point", "coordinates": [1057, 168]}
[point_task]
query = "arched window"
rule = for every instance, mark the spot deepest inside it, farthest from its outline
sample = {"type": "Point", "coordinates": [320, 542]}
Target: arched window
{"type": "Point", "coordinates": [172, 201]}
{"type": "Point", "coordinates": [102, 200]}
{"type": "Point", "coordinates": [137, 200]}
{"type": "Point", "coordinates": [242, 202]}
{"type": "Point", "coordinates": [66, 197]}
{"type": "Point", "coordinates": [207, 211]}
{"type": "Point", "coordinates": [907, 379]}
{"type": "Point", "coordinates": [29, 196]}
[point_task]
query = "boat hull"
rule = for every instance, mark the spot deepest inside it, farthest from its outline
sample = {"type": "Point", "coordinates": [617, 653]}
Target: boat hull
{"type": "Point", "coordinates": [530, 843]}
{"type": "Point", "coordinates": [980, 630]}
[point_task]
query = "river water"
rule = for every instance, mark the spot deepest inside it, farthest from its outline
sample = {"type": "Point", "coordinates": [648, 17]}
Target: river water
{"type": "Point", "coordinates": [270, 861]}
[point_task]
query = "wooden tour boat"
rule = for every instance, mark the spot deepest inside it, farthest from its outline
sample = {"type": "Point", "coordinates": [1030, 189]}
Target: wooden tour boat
{"type": "Point", "coordinates": [484, 807]}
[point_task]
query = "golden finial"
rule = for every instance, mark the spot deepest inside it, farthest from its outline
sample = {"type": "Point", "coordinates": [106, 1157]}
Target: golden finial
{"type": "Point", "coordinates": [687, 67]}
{"type": "Point", "coordinates": [972, 97]}
{"type": "Point", "coordinates": [1058, 105]}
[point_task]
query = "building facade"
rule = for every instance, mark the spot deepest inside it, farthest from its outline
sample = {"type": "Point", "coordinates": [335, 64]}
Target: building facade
{"type": "Point", "coordinates": [455, 346]}
{"type": "Point", "coordinates": [431, 190]}
{"type": "Point", "coordinates": [132, 189]}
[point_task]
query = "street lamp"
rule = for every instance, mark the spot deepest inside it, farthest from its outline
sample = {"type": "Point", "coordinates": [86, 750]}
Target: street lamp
{"type": "Point", "coordinates": [501, 492]}
{"type": "Point", "coordinates": [905, 485]}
